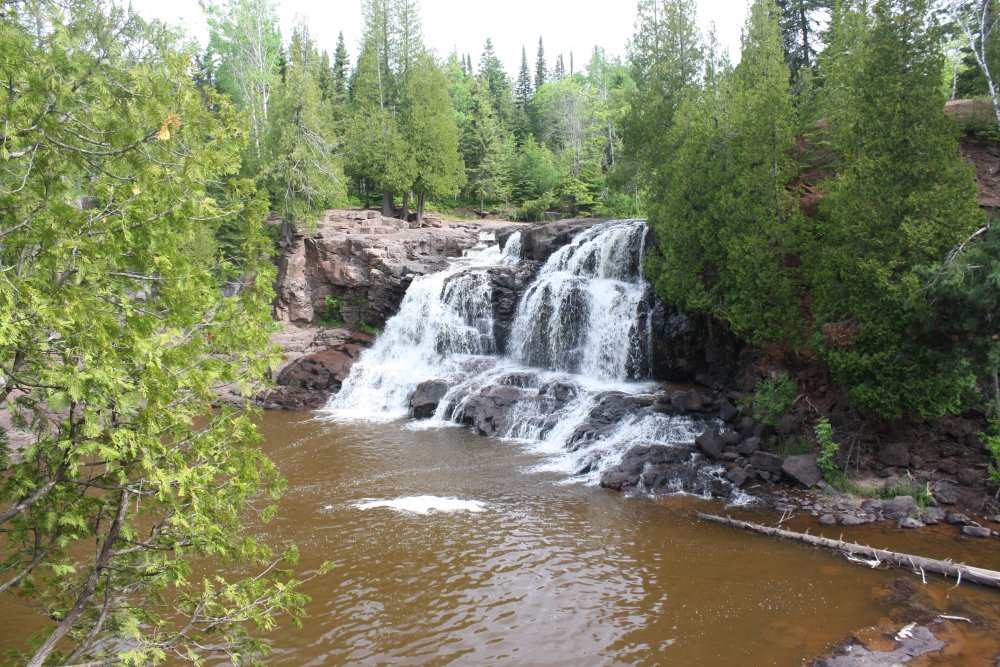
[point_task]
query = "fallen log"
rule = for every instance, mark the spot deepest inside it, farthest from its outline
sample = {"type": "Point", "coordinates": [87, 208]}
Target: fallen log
{"type": "Point", "coordinates": [918, 564]}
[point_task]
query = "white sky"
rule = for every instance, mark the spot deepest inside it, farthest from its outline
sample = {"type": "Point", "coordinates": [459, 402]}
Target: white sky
{"type": "Point", "coordinates": [564, 25]}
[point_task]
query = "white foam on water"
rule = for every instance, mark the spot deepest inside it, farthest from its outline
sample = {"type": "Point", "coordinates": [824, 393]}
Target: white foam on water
{"type": "Point", "coordinates": [424, 504]}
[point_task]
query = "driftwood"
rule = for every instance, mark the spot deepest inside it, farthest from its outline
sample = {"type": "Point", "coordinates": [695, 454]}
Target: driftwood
{"type": "Point", "coordinates": [875, 557]}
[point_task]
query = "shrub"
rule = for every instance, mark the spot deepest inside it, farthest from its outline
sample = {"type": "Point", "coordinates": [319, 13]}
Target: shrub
{"type": "Point", "coordinates": [330, 315]}
{"type": "Point", "coordinates": [827, 452]}
{"type": "Point", "coordinates": [773, 399]}
{"type": "Point", "coordinates": [992, 442]}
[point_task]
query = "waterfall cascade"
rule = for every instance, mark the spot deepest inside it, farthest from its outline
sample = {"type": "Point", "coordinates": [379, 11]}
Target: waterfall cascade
{"type": "Point", "coordinates": [568, 379]}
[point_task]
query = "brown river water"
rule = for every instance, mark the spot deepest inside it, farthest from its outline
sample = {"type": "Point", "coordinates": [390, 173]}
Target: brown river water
{"type": "Point", "coordinates": [551, 573]}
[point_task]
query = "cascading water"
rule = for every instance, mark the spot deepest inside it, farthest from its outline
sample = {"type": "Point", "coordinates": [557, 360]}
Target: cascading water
{"type": "Point", "coordinates": [570, 381]}
{"type": "Point", "coordinates": [588, 310]}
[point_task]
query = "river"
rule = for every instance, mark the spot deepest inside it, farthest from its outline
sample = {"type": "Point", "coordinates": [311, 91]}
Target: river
{"type": "Point", "coordinates": [545, 573]}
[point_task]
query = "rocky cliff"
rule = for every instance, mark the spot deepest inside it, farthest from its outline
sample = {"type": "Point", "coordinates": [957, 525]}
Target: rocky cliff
{"type": "Point", "coordinates": [353, 267]}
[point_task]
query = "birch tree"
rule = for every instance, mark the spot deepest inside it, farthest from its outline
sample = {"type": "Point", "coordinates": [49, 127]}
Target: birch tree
{"type": "Point", "coordinates": [244, 35]}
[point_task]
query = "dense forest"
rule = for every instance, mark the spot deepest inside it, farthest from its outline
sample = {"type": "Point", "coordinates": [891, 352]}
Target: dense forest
{"type": "Point", "coordinates": [810, 197]}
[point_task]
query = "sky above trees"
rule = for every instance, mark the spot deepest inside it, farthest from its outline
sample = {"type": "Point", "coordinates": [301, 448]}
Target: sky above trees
{"type": "Point", "coordinates": [565, 25]}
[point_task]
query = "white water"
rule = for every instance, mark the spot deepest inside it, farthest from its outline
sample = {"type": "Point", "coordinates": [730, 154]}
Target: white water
{"type": "Point", "coordinates": [587, 310]}
{"type": "Point", "coordinates": [581, 330]}
{"type": "Point", "coordinates": [424, 504]}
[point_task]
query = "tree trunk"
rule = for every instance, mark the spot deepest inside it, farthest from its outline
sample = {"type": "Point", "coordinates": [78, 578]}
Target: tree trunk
{"type": "Point", "coordinates": [482, 207]}
{"type": "Point", "coordinates": [387, 203]}
{"type": "Point", "coordinates": [368, 199]}
{"type": "Point", "coordinates": [420, 209]}
{"type": "Point", "coordinates": [805, 36]}
{"type": "Point", "coordinates": [406, 205]}
{"type": "Point", "coordinates": [89, 586]}
{"type": "Point", "coordinates": [961, 572]}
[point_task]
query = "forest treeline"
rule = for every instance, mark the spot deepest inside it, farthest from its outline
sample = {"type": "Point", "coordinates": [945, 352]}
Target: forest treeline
{"type": "Point", "coordinates": [397, 125]}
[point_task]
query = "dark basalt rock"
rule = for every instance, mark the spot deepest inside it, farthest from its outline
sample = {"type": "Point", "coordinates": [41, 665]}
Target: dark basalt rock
{"type": "Point", "coordinates": [710, 443]}
{"type": "Point", "coordinates": [900, 507]}
{"type": "Point", "coordinates": [802, 469]}
{"type": "Point", "coordinates": [659, 469]}
{"type": "Point", "coordinates": [426, 397]}
{"type": "Point", "coordinates": [894, 454]}
{"type": "Point", "coordinates": [766, 462]}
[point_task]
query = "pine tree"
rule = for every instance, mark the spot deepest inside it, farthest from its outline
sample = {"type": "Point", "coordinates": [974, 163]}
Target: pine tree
{"type": "Point", "coordinates": [800, 23]}
{"type": "Point", "coordinates": [541, 67]}
{"type": "Point", "coordinates": [902, 200]}
{"type": "Point", "coordinates": [432, 136]}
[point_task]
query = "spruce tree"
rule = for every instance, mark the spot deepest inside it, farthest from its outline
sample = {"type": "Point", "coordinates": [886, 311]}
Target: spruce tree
{"type": "Point", "coordinates": [560, 70]}
{"type": "Point", "coordinates": [488, 150]}
{"type": "Point", "coordinates": [341, 63]}
{"type": "Point", "coordinates": [541, 67]}
{"type": "Point", "coordinates": [522, 89]}
{"type": "Point", "coordinates": [497, 85]}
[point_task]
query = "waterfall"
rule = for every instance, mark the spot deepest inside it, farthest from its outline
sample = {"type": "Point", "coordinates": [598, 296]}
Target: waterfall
{"type": "Point", "coordinates": [444, 320]}
{"type": "Point", "coordinates": [587, 312]}
{"type": "Point", "coordinates": [570, 382]}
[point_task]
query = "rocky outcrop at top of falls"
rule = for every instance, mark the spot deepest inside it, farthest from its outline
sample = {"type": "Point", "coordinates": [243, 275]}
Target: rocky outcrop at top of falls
{"type": "Point", "coordinates": [362, 263]}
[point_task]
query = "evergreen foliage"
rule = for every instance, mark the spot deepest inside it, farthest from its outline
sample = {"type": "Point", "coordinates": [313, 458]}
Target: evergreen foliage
{"type": "Point", "coordinates": [115, 338]}
{"type": "Point", "coordinates": [541, 67]}
{"type": "Point", "coordinates": [431, 134]}
{"type": "Point", "coordinates": [902, 199]}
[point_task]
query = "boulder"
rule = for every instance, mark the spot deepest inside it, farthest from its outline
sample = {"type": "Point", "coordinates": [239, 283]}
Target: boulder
{"type": "Point", "coordinates": [767, 462]}
{"type": "Point", "coordinates": [687, 401]}
{"type": "Point", "coordinates": [322, 371]}
{"type": "Point", "coordinates": [976, 531]}
{"type": "Point", "coordinates": [426, 397]}
{"type": "Point", "coordinates": [945, 493]}
{"type": "Point", "coordinates": [894, 454]}
{"type": "Point", "coordinates": [947, 466]}
{"type": "Point", "coordinates": [710, 443]}
{"type": "Point", "coordinates": [968, 477]}
{"type": "Point", "coordinates": [727, 411]}
{"type": "Point", "coordinates": [900, 507]}
{"type": "Point", "coordinates": [802, 469]}
{"type": "Point", "coordinates": [957, 519]}
{"type": "Point", "coordinates": [909, 522]}
{"type": "Point", "coordinates": [827, 520]}
{"type": "Point", "coordinates": [853, 520]}
{"type": "Point", "coordinates": [737, 476]}
{"type": "Point", "coordinates": [748, 446]}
